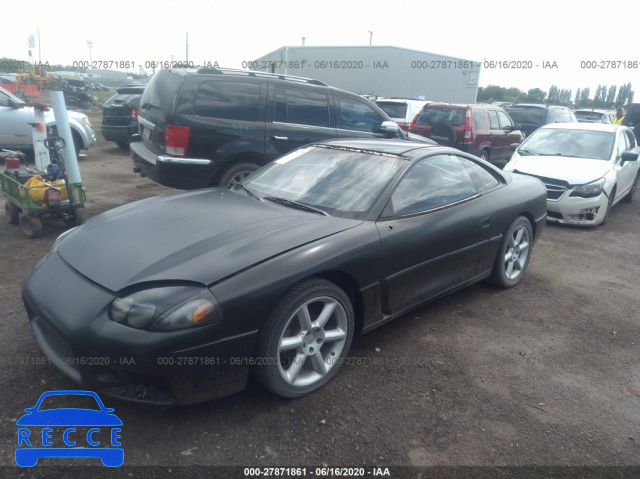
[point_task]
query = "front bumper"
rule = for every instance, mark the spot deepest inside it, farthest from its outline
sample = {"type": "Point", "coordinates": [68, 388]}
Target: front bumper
{"type": "Point", "coordinates": [181, 173]}
{"type": "Point", "coordinates": [574, 210]}
{"type": "Point", "coordinates": [68, 316]}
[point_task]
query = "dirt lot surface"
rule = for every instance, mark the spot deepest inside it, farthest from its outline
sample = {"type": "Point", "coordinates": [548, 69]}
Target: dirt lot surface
{"type": "Point", "coordinates": [545, 374]}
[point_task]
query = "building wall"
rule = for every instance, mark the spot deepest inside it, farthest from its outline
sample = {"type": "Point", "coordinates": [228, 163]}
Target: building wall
{"type": "Point", "coordinates": [378, 70]}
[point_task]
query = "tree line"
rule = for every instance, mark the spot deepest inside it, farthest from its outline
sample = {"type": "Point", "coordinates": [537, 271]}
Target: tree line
{"type": "Point", "coordinates": [606, 97]}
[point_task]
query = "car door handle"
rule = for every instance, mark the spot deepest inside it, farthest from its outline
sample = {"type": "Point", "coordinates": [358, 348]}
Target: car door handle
{"type": "Point", "coordinates": [484, 222]}
{"type": "Point", "coordinates": [279, 138]}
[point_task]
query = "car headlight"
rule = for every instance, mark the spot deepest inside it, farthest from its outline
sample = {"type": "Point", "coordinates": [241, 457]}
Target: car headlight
{"type": "Point", "coordinates": [590, 190]}
{"type": "Point", "coordinates": [167, 308]}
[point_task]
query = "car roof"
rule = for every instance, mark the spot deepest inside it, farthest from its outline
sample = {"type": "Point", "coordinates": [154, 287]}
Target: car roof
{"type": "Point", "coordinates": [539, 105]}
{"type": "Point", "coordinates": [584, 126]}
{"type": "Point", "coordinates": [593, 110]}
{"type": "Point", "coordinates": [390, 147]}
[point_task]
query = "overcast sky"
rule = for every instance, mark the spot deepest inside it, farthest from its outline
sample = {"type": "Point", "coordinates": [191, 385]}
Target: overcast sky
{"type": "Point", "coordinates": [562, 31]}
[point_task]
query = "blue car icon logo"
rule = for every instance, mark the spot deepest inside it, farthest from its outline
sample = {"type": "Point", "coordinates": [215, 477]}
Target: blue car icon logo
{"type": "Point", "coordinates": [69, 432]}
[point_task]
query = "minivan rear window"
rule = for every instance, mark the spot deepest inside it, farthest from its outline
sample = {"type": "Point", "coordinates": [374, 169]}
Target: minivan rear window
{"type": "Point", "coordinates": [527, 114]}
{"type": "Point", "coordinates": [230, 100]}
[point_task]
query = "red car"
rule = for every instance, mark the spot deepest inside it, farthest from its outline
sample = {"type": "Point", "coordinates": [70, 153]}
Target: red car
{"type": "Point", "coordinates": [483, 130]}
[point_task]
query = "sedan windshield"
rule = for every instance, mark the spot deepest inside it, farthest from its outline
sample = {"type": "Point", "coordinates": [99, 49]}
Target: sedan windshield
{"type": "Point", "coordinates": [575, 143]}
{"type": "Point", "coordinates": [337, 181]}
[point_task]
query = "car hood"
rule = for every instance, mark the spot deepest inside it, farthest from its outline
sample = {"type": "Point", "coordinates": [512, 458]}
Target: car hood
{"type": "Point", "coordinates": [49, 116]}
{"type": "Point", "coordinates": [575, 171]}
{"type": "Point", "coordinates": [202, 236]}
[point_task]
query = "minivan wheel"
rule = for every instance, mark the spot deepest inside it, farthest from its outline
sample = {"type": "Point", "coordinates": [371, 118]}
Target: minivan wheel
{"type": "Point", "coordinates": [236, 173]}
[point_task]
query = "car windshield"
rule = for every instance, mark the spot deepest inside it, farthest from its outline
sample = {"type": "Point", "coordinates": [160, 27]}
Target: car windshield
{"type": "Point", "coordinates": [589, 116]}
{"type": "Point", "coordinates": [341, 182]}
{"type": "Point", "coordinates": [64, 401]}
{"type": "Point", "coordinates": [527, 114]}
{"type": "Point", "coordinates": [576, 143]}
{"type": "Point", "coordinates": [435, 114]}
{"type": "Point", "coordinates": [393, 109]}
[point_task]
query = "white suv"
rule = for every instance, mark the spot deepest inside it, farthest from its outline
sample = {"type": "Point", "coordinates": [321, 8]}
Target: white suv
{"type": "Point", "coordinates": [401, 110]}
{"type": "Point", "coordinates": [15, 125]}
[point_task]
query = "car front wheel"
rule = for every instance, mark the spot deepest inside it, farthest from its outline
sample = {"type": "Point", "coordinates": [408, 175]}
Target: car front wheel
{"type": "Point", "coordinates": [513, 256]}
{"type": "Point", "coordinates": [236, 173]}
{"type": "Point", "coordinates": [305, 339]}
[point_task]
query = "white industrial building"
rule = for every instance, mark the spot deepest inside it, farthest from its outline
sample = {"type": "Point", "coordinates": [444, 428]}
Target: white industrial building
{"type": "Point", "coordinates": [382, 71]}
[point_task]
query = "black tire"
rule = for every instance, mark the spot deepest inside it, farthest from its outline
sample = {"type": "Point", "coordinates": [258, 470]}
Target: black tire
{"type": "Point", "coordinates": [485, 155]}
{"type": "Point", "coordinates": [31, 226]}
{"type": "Point", "coordinates": [12, 212]}
{"type": "Point", "coordinates": [443, 134]}
{"type": "Point", "coordinates": [607, 213]}
{"type": "Point", "coordinates": [294, 359]}
{"type": "Point", "coordinates": [78, 218]}
{"type": "Point", "coordinates": [632, 192]}
{"type": "Point", "coordinates": [123, 145]}
{"type": "Point", "coordinates": [514, 254]}
{"type": "Point", "coordinates": [236, 172]}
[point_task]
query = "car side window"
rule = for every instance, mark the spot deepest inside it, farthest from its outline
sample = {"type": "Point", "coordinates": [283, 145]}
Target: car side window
{"type": "Point", "coordinates": [482, 179]}
{"type": "Point", "coordinates": [4, 99]}
{"type": "Point", "coordinates": [631, 140]}
{"type": "Point", "coordinates": [505, 121]}
{"type": "Point", "coordinates": [230, 100]}
{"type": "Point", "coordinates": [431, 183]}
{"type": "Point", "coordinates": [478, 119]}
{"type": "Point", "coordinates": [555, 115]}
{"type": "Point", "coordinates": [493, 120]}
{"type": "Point", "coordinates": [355, 115]}
{"type": "Point", "coordinates": [301, 107]}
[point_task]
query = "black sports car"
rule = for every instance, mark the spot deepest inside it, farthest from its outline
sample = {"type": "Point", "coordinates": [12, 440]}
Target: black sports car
{"type": "Point", "coordinates": [174, 299]}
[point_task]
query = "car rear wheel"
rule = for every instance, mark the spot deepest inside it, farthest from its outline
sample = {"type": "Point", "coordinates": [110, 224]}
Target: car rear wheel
{"type": "Point", "coordinates": [236, 173]}
{"type": "Point", "coordinates": [632, 192]}
{"type": "Point", "coordinates": [443, 134]}
{"type": "Point", "coordinates": [123, 145]}
{"type": "Point", "coordinates": [13, 213]}
{"type": "Point", "coordinates": [305, 339]}
{"type": "Point", "coordinates": [485, 155]}
{"type": "Point", "coordinates": [31, 226]}
{"type": "Point", "coordinates": [513, 255]}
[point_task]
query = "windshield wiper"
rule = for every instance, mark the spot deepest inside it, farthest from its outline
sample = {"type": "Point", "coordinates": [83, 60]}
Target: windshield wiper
{"type": "Point", "coordinates": [295, 204]}
{"type": "Point", "coordinates": [524, 153]}
{"type": "Point", "coordinates": [249, 192]}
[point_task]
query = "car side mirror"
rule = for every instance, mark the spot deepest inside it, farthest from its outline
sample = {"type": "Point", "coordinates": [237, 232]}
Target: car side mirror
{"type": "Point", "coordinates": [629, 156]}
{"type": "Point", "coordinates": [387, 128]}
{"type": "Point", "coordinates": [517, 126]}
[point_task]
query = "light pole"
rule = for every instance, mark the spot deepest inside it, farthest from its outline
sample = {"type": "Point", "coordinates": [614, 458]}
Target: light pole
{"type": "Point", "coordinates": [90, 44]}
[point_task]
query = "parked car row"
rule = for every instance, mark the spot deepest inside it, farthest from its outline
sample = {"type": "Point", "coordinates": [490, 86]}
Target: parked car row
{"type": "Point", "coordinates": [214, 127]}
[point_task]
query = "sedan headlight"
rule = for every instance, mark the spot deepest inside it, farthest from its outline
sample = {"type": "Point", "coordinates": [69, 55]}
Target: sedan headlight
{"type": "Point", "coordinates": [590, 190]}
{"type": "Point", "coordinates": [166, 309]}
